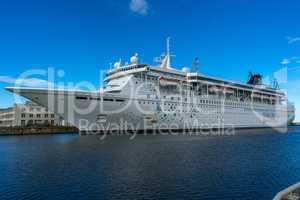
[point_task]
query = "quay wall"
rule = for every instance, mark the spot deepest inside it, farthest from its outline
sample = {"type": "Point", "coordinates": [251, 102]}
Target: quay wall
{"type": "Point", "coordinates": [36, 130]}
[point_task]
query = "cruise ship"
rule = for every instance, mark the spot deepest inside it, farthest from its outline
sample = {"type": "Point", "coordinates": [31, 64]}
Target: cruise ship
{"type": "Point", "coordinates": [138, 96]}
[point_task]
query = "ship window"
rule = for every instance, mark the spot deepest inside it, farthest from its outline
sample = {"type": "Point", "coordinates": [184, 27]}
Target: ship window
{"type": "Point", "coordinates": [81, 98]}
{"type": "Point", "coordinates": [108, 99]}
{"type": "Point", "coordinates": [120, 100]}
{"type": "Point", "coordinates": [95, 98]}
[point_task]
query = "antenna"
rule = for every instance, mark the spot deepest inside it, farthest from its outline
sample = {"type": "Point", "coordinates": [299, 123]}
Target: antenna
{"type": "Point", "coordinates": [195, 65]}
{"type": "Point", "coordinates": [249, 75]}
{"type": "Point", "coordinates": [110, 66]}
{"type": "Point", "coordinates": [168, 46]}
{"type": "Point", "coordinates": [166, 61]}
{"type": "Point", "coordinates": [275, 84]}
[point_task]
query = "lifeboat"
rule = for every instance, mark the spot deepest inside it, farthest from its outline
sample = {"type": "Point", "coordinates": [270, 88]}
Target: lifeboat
{"type": "Point", "coordinates": [164, 81]}
{"type": "Point", "coordinates": [256, 95]}
{"type": "Point", "coordinates": [215, 89]}
{"type": "Point", "coordinates": [266, 97]}
{"type": "Point", "coordinates": [229, 91]}
{"type": "Point", "coordinates": [273, 97]}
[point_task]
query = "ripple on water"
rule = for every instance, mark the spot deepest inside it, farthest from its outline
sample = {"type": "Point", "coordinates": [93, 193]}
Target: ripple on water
{"type": "Point", "coordinates": [248, 166]}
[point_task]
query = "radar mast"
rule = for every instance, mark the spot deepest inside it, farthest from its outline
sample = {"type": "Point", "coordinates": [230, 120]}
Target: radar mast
{"type": "Point", "coordinates": [166, 62]}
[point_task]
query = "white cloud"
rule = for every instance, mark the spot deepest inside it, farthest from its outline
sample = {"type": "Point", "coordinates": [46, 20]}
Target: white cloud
{"type": "Point", "coordinates": [7, 79]}
{"type": "Point", "coordinates": [285, 61]}
{"type": "Point", "coordinates": [30, 82]}
{"type": "Point", "coordinates": [40, 83]}
{"type": "Point", "coordinates": [139, 6]}
{"type": "Point", "coordinates": [295, 69]}
{"type": "Point", "coordinates": [294, 58]}
{"type": "Point", "coordinates": [292, 40]}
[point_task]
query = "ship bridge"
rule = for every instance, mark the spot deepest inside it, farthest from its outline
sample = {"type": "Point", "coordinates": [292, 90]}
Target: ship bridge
{"type": "Point", "coordinates": [126, 70]}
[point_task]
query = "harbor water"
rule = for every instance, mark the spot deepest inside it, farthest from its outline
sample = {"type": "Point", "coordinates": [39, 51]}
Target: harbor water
{"type": "Point", "coordinates": [242, 166]}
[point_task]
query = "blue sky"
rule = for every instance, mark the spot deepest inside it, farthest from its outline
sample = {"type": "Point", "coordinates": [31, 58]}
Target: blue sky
{"type": "Point", "coordinates": [230, 37]}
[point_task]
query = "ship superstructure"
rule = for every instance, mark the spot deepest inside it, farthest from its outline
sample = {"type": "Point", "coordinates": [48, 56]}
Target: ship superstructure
{"type": "Point", "coordinates": [138, 96]}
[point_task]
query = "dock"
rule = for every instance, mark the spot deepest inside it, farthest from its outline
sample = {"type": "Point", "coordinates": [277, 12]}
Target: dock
{"type": "Point", "coordinates": [37, 130]}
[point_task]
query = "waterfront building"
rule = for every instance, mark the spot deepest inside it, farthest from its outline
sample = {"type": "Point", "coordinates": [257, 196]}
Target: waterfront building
{"type": "Point", "coordinates": [28, 114]}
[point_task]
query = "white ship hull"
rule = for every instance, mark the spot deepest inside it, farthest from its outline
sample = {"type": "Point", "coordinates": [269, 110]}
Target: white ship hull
{"type": "Point", "coordinates": [92, 111]}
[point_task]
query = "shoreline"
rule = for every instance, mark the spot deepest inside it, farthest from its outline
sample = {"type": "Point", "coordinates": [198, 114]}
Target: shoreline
{"type": "Point", "coordinates": [37, 130]}
{"type": "Point", "coordinates": [46, 130]}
